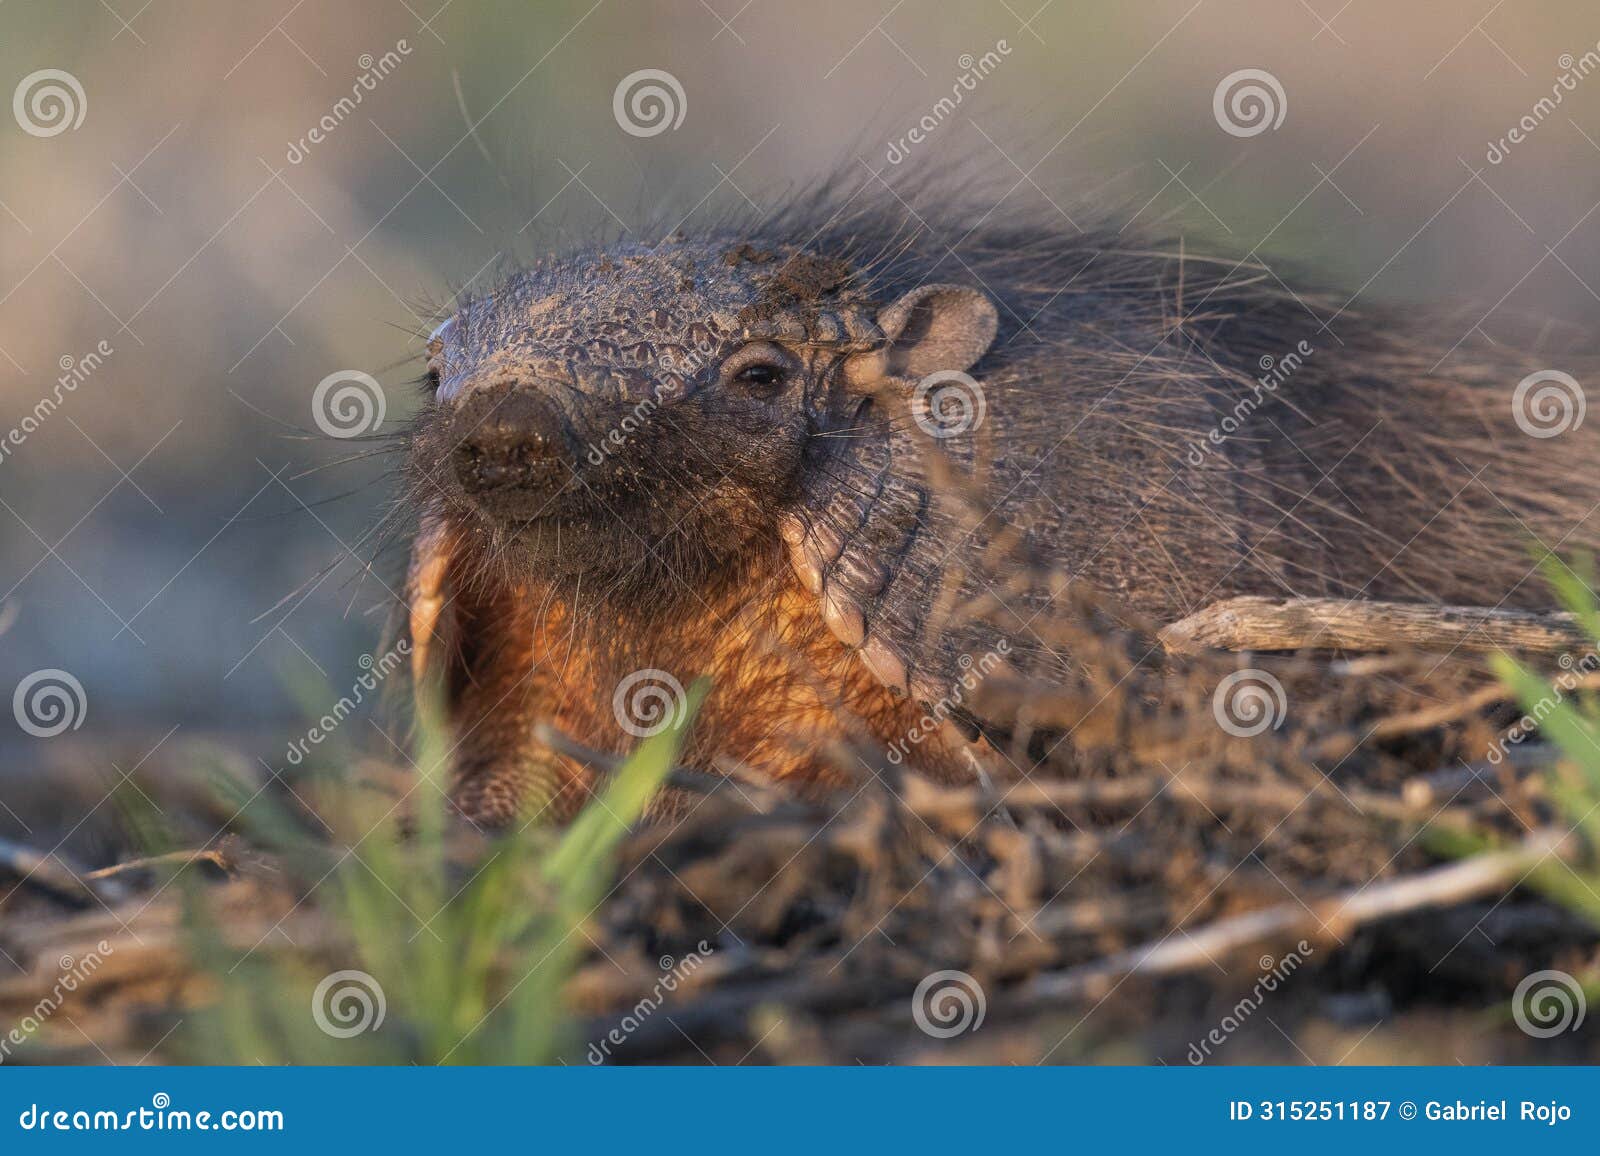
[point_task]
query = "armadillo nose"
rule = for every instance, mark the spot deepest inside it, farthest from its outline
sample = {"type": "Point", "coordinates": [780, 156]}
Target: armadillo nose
{"type": "Point", "coordinates": [514, 450]}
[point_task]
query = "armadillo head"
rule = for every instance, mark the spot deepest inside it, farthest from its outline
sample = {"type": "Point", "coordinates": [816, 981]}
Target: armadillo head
{"type": "Point", "coordinates": [643, 411]}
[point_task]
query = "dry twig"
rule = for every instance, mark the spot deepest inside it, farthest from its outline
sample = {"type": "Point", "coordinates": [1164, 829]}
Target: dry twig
{"type": "Point", "coordinates": [1251, 623]}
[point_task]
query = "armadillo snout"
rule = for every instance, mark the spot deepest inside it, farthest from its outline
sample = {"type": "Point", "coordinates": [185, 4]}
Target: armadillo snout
{"type": "Point", "coordinates": [512, 456]}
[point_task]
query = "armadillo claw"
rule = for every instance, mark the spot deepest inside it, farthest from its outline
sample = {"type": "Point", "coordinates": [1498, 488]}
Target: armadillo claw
{"type": "Point", "coordinates": [842, 615]}
{"type": "Point", "coordinates": [791, 529]}
{"type": "Point", "coordinates": [887, 666]}
{"type": "Point", "coordinates": [862, 576]}
{"type": "Point", "coordinates": [827, 540]}
{"type": "Point", "coordinates": [802, 556]}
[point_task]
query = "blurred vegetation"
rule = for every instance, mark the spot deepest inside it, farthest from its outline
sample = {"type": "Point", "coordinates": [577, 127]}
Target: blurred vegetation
{"type": "Point", "coordinates": [467, 954]}
{"type": "Point", "coordinates": [1567, 715]}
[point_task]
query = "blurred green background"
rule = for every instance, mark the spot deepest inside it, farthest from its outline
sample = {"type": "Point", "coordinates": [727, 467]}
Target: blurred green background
{"type": "Point", "coordinates": [161, 537]}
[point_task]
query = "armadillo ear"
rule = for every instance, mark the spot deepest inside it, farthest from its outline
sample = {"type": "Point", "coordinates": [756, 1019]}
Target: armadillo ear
{"type": "Point", "coordinates": [938, 327]}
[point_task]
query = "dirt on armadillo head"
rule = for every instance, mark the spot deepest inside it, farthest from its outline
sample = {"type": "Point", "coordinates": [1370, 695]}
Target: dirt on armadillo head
{"type": "Point", "coordinates": [638, 322]}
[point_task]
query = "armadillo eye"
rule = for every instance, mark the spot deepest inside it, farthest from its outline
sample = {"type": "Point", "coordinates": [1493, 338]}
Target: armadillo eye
{"type": "Point", "coordinates": [761, 367]}
{"type": "Point", "coordinates": [762, 374]}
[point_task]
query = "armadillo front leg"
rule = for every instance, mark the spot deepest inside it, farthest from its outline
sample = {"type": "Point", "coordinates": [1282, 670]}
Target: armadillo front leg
{"type": "Point", "coordinates": [503, 773]}
{"type": "Point", "coordinates": [482, 648]}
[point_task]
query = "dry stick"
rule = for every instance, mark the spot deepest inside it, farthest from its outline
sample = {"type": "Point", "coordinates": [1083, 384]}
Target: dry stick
{"type": "Point", "coordinates": [1250, 623]}
{"type": "Point", "coordinates": [213, 855]}
{"type": "Point", "coordinates": [1185, 951]}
